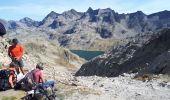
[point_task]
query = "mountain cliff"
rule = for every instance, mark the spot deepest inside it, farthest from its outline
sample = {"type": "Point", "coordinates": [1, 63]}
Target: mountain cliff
{"type": "Point", "coordinates": [151, 56]}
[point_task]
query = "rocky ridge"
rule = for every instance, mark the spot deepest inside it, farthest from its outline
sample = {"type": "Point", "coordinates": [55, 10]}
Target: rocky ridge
{"type": "Point", "coordinates": [94, 29]}
{"type": "Point", "coordinates": [150, 57]}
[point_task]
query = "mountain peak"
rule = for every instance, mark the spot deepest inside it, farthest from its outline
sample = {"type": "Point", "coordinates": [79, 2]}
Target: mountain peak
{"type": "Point", "coordinates": [25, 19]}
{"type": "Point", "coordinates": [162, 14]}
{"type": "Point", "coordinates": [137, 13]}
{"type": "Point", "coordinates": [72, 11]}
{"type": "Point", "coordinates": [71, 14]}
{"type": "Point", "coordinates": [29, 22]}
{"type": "Point", "coordinates": [107, 10]}
{"type": "Point", "coordinates": [53, 14]}
{"type": "Point", "coordinates": [89, 10]}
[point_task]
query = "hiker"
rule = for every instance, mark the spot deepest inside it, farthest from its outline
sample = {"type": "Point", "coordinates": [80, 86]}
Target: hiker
{"type": "Point", "coordinates": [38, 77]}
{"type": "Point", "coordinates": [35, 85]}
{"type": "Point", "coordinates": [33, 78]}
{"type": "Point", "coordinates": [15, 52]}
{"type": "Point", "coordinates": [8, 76]}
{"type": "Point", "coordinates": [12, 70]}
{"type": "Point", "coordinates": [37, 74]}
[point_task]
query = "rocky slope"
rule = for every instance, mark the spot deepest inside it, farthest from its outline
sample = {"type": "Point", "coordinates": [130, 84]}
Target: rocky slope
{"type": "Point", "coordinates": [150, 56]}
{"type": "Point", "coordinates": [94, 29]}
{"type": "Point", "coordinates": [57, 61]}
{"type": "Point", "coordinates": [121, 88]}
{"type": "Point", "coordinates": [38, 49]}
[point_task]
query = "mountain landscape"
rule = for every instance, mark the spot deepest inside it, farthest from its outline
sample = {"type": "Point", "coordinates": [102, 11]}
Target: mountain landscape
{"type": "Point", "coordinates": [98, 29]}
{"type": "Point", "coordinates": [135, 64]}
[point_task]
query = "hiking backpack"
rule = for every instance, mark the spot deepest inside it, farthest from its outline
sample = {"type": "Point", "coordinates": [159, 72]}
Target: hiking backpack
{"type": "Point", "coordinates": [4, 75]}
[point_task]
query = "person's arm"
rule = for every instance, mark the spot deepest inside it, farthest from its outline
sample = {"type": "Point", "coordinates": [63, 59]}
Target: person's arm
{"type": "Point", "coordinates": [10, 81]}
{"type": "Point", "coordinates": [9, 52]}
{"type": "Point", "coordinates": [3, 68]}
{"type": "Point", "coordinates": [21, 50]}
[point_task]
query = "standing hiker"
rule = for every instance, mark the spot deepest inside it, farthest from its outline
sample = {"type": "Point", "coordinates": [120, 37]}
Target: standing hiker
{"type": "Point", "coordinates": [15, 52]}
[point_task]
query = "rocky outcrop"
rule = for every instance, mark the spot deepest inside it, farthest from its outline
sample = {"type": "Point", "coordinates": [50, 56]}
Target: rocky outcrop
{"type": "Point", "coordinates": [151, 56]}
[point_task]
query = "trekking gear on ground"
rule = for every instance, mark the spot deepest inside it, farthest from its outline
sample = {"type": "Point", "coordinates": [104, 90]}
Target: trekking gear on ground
{"type": "Point", "coordinates": [42, 90]}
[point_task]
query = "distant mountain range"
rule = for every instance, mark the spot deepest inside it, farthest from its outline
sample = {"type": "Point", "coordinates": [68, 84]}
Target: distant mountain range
{"type": "Point", "coordinates": [98, 29]}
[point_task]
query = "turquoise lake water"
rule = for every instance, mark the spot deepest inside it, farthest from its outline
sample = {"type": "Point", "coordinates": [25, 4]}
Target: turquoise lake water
{"type": "Point", "coordinates": [88, 55]}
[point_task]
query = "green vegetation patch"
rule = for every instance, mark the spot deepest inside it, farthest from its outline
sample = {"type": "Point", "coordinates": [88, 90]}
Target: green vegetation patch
{"type": "Point", "coordinates": [9, 98]}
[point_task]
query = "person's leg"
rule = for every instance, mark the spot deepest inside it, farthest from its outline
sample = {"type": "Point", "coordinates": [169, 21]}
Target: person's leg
{"type": "Point", "coordinates": [22, 70]}
{"type": "Point", "coordinates": [17, 69]}
{"type": "Point", "coordinates": [21, 65]}
{"type": "Point", "coordinates": [16, 66]}
{"type": "Point", "coordinates": [10, 81]}
{"type": "Point", "coordinates": [49, 83]}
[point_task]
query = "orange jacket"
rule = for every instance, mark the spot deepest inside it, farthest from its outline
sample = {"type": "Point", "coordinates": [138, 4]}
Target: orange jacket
{"type": "Point", "coordinates": [15, 52]}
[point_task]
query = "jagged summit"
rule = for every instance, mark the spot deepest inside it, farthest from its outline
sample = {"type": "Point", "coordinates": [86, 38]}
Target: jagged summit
{"type": "Point", "coordinates": [162, 15]}
{"type": "Point", "coordinates": [52, 14]}
{"type": "Point", "coordinates": [89, 10]}
{"type": "Point", "coordinates": [72, 14]}
{"type": "Point", "coordinates": [26, 19]}
{"type": "Point", "coordinates": [29, 22]}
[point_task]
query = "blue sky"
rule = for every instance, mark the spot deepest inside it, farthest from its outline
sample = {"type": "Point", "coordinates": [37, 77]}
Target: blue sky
{"type": "Point", "coordinates": [38, 9]}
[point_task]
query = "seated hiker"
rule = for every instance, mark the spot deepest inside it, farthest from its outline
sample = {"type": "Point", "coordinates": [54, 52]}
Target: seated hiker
{"type": "Point", "coordinates": [35, 77]}
{"type": "Point", "coordinates": [15, 52]}
{"type": "Point", "coordinates": [39, 78]}
{"type": "Point", "coordinates": [11, 79]}
{"type": "Point", "coordinates": [8, 76]}
{"type": "Point", "coordinates": [37, 74]}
